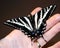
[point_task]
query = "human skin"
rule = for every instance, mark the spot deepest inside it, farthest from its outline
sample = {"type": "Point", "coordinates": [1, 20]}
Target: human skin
{"type": "Point", "coordinates": [17, 39]}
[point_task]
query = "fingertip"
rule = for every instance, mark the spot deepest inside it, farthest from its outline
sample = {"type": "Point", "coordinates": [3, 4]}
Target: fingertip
{"type": "Point", "coordinates": [36, 10]}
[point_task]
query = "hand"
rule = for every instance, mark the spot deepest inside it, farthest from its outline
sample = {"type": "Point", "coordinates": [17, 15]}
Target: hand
{"type": "Point", "coordinates": [17, 39]}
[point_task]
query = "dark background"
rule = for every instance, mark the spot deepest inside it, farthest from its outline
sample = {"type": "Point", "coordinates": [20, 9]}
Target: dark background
{"type": "Point", "coordinates": [15, 8]}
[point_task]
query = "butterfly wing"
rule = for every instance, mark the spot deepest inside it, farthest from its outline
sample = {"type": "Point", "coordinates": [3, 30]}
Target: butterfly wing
{"type": "Point", "coordinates": [21, 23]}
{"type": "Point", "coordinates": [43, 15]}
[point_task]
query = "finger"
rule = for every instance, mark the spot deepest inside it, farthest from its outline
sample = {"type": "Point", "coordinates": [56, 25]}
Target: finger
{"type": "Point", "coordinates": [57, 45]}
{"type": "Point", "coordinates": [36, 10]}
{"type": "Point", "coordinates": [50, 34]}
{"type": "Point", "coordinates": [52, 21]}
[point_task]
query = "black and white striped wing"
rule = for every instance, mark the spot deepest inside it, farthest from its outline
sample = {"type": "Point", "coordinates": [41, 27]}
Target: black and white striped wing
{"type": "Point", "coordinates": [32, 26]}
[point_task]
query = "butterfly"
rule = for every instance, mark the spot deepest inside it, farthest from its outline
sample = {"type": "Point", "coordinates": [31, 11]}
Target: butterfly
{"type": "Point", "coordinates": [33, 26]}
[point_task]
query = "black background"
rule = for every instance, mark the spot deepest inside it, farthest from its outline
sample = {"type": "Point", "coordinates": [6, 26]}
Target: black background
{"type": "Point", "coordinates": [15, 8]}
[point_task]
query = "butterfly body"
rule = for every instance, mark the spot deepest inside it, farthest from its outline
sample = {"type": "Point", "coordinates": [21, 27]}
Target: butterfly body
{"type": "Point", "coordinates": [32, 26]}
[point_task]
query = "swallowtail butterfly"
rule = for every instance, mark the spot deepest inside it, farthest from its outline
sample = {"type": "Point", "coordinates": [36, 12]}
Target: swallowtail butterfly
{"type": "Point", "coordinates": [32, 26]}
